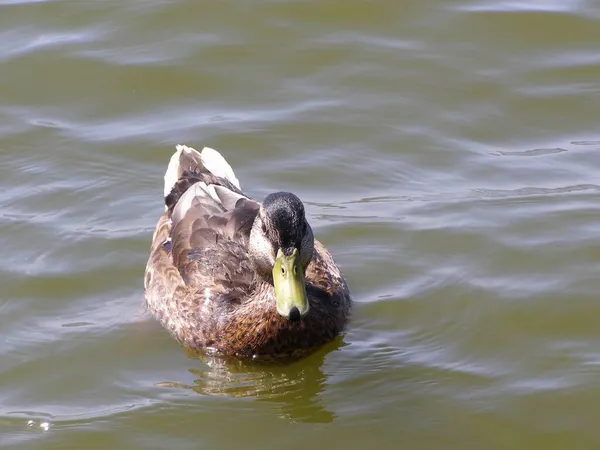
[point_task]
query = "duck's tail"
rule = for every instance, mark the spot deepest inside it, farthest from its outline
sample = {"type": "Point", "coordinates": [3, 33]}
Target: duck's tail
{"type": "Point", "coordinates": [186, 159]}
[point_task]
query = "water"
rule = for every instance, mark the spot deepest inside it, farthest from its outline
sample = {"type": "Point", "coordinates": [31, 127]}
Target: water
{"type": "Point", "coordinates": [447, 152]}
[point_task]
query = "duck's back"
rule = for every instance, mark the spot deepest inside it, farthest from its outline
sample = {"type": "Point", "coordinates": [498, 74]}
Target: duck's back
{"type": "Point", "coordinates": [199, 266]}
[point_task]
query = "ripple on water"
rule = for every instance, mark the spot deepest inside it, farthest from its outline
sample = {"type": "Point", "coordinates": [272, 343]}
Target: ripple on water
{"type": "Point", "coordinates": [445, 153]}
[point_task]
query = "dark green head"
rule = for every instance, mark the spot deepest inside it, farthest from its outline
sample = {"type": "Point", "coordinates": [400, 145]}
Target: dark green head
{"type": "Point", "coordinates": [281, 247]}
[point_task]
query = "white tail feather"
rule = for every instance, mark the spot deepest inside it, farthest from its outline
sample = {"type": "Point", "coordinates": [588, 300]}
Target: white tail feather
{"type": "Point", "coordinates": [215, 163]}
{"type": "Point", "coordinates": [172, 173]}
{"type": "Point", "coordinates": [212, 160]}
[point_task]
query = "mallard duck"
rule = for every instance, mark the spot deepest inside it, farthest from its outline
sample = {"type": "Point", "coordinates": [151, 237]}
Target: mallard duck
{"type": "Point", "coordinates": [229, 275]}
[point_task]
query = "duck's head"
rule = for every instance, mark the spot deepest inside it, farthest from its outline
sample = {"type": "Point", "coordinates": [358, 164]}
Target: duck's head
{"type": "Point", "coordinates": [281, 247]}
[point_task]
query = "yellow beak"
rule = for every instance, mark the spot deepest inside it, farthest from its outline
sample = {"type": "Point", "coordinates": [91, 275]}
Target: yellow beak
{"type": "Point", "coordinates": [290, 288]}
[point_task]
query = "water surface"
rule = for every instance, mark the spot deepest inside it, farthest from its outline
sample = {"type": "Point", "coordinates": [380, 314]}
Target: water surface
{"type": "Point", "coordinates": [447, 152]}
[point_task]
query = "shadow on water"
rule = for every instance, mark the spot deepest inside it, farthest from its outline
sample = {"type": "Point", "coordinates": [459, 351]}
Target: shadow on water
{"type": "Point", "coordinates": [295, 387]}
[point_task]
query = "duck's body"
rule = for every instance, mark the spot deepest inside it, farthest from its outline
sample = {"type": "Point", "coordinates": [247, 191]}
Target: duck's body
{"type": "Point", "coordinates": [217, 277]}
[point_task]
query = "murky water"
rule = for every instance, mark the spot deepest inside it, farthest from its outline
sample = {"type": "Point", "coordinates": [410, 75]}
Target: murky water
{"type": "Point", "coordinates": [448, 154]}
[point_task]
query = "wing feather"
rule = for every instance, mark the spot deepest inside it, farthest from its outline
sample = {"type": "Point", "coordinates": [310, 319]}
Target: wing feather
{"type": "Point", "coordinates": [210, 228]}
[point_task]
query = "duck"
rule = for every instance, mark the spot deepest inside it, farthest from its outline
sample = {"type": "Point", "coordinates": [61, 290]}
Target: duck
{"type": "Point", "coordinates": [233, 276]}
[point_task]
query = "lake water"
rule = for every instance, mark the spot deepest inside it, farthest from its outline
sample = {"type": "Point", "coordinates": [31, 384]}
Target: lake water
{"type": "Point", "coordinates": [448, 153]}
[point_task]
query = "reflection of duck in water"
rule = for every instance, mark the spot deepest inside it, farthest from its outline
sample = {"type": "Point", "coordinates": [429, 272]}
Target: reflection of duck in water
{"type": "Point", "coordinates": [294, 388]}
{"type": "Point", "coordinates": [231, 275]}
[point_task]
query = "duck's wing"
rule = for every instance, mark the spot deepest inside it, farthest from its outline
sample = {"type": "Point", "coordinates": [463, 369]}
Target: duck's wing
{"type": "Point", "coordinates": [324, 274]}
{"type": "Point", "coordinates": [211, 221]}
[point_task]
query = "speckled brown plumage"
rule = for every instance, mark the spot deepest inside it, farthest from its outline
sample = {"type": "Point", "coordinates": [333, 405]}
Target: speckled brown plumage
{"type": "Point", "coordinates": [201, 285]}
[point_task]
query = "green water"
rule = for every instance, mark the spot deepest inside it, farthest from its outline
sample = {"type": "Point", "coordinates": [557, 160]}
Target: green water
{"type": "Point", "coordinates": [447, 153]}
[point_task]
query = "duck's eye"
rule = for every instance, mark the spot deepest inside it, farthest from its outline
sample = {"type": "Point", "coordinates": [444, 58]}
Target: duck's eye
{"type": "Point", "coordinates": [264, 228]}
